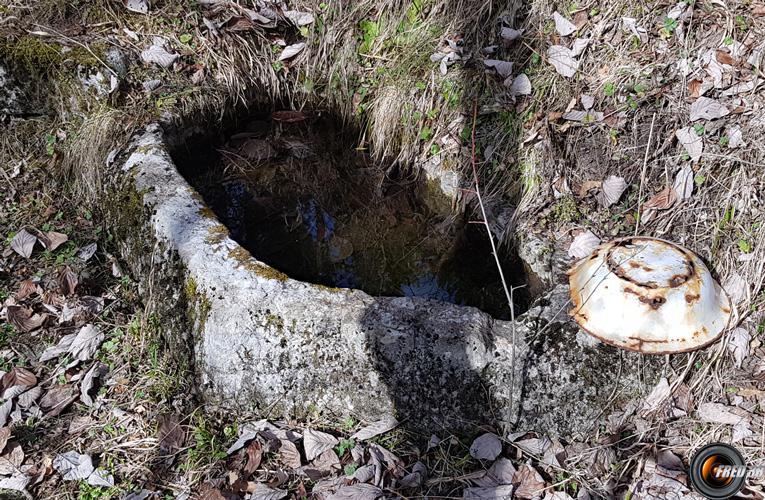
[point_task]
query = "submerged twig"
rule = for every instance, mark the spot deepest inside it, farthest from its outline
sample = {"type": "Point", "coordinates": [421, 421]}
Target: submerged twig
{"type": "Point", "coordinates": [508, 291]}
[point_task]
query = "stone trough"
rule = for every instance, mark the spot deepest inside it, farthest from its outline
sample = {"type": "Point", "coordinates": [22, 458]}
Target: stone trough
{"type": "Point", "coordinates": [260, 342]}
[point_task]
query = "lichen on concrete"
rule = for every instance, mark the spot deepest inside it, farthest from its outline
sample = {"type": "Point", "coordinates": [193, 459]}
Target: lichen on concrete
{"type": "Point", "coordinates": [260, 340]}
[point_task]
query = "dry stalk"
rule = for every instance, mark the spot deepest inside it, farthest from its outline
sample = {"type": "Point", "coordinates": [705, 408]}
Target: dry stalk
{"type": "Point", "coordinates": [508, 291]}
{"type": "Point", "coordinates": [642, 174]}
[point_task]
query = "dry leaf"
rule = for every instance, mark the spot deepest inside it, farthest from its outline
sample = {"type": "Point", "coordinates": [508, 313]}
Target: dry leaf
{"type": "Point", "coordinates": [500, 473]}
{"type": "Point", "coordinates": [67, 281]}
{"type": "Point", "coordinates": [198, 76]}
{"type": "Point", "coordinates": [691, 141]}
{"type": "Point", "coordinates": [588, 186]}
{"type": "Point", "coordinates": [254, 453]}
{"type": "Point", "coordinates": [380, 427]}
{"type": "Point", "coordinates": [26, 288]}
{"type": "Point", "coordinates": [583, 116]}
{"type": "Point", "coordinates": [736, 287]}
{"type": "Point", "coordinates": [587, 101]}
{"type": "Point", "coordinates": [87, 252]}
{"type": "Point", "coordinates": [79, 424]}
{"type": "Point", "coordinates": [73, 466]}
{"type": "Point", "coordinates": [738, 345]}
{"type": "Point", "coordinates": [299, 18]}
{"type": "Point", "coordinates": [291, 51]}
{"type": "Point", "coordinates": [717, 413]}
{"type": "Point", "coordinates": [51, 240]}
{"type": "Point", "coordinates": [158, 55]}
{"type": "Point", "coordinates": [57, 399]}
{"type": "Point", "coordinates": [101, 477]}
{"type": "Point", "coordinates": [22, 318]}
{"type": "Point", "coordinates": [139, 6]}
{"type": "Point", "coordinates": [5, 411]}
{"type": "Point", "coordinates": [725, 58]}
{"type": "Point", "coordinates": [563, 26]}
{"type": "Point", "coordinates": [262, 492]}
{"type": "Point", "coordinates": [171, 434]}
{"type": "Point", "coordinates": [11, 461]}
{"type": "Point", "coordinates": [705, 108]}
{"type": "Point", "coordinates": [494, 493]}
{"type": "Point", "coordinates": [88, 384]}
{"type": "Point", "coordinates": [317, 442]}
{"type": "Point", "coordinates": [578, 46]}
{"type": "Point", "coordinates": [531, 483]}
{"type": "Point", "coordinates": [28, 397]}
{"type": "Point", "coordinates": [683, 185]}
{"type": "Point", "coordinates": [694, 88]}
{"type": "Point", "coordinates": [658, 396]}
{"type": "Point", "coordinates": [23, 243]}
{"type": "Point", "coordinates": [486, 447]}
{"type": "Point", "coordinates": [57, 350]}
{"type": "Point", "coordinates": [289, 454]}
{"type": "Point", "coordinates": [18, 482]}
{"type": "Point", "coordinates": [359, 491]}
{"type": "Point", "coordinates": [562, 60]}
{"type": "Point", "coordinates": [735, 137]}
{"type": "Point", "coordinates": [288, 116]}
{"type": "Point", "coordinates": [583, 245]}
{"type": "Point", "coordinates": [630, 24]}
{"type": "Point", "coordinates": [661, 200]}
{"type": "Point", "coordinates": [415, 478]}
{"type": "Point", "coordinates": [17, 377]}
{"type": "Point", "coordinates": [510, 34]}
{"type": "Point", "coordinates": [521, 85]}
{"type": "Point", "coordinates": [86, 342]}
{"type": "Point", "coordinates": [5, 434]}
{"type": "Point", "coordinates": [611, 190]}
{"type": "Point", "coordinates": [534, 446]}
{"type": "Point", "coordinates": [741, 431]}
{"type": "Point", "coordinates": [503, 68]}
{"type": "Point", "coordinates": [327, 461]}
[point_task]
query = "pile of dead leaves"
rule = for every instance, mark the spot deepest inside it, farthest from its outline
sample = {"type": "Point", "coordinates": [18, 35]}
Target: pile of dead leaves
{"type": "Point", "coordinates": [39, 386]}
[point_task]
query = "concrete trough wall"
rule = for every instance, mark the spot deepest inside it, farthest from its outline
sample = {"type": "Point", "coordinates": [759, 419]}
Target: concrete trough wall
{"type": "Point", "coordinates": [258, 341]}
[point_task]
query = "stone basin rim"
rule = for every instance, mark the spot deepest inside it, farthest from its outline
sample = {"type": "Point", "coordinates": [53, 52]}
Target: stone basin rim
{"type": "Point", "coordinates": [260, 340]}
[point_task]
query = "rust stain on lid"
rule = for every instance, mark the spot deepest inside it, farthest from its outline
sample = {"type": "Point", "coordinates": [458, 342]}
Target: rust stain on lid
{"type": "Point", "coordinates": [648, 295]}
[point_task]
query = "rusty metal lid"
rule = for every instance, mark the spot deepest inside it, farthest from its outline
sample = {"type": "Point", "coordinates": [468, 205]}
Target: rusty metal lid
{"type": "Point", "coordinates": [648, 295]}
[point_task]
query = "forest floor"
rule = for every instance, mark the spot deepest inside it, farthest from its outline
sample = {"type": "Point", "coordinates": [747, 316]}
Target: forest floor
{"type": "Point", "coordinates": [614, 119]}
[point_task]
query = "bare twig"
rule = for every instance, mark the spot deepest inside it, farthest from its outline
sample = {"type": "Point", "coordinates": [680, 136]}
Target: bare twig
{"type": "Point", "coordinates": [72, 40]}
{"type": "Point", "coordinates": [642, 174]}
{"type": "Point", "coordinates": [508, 291]}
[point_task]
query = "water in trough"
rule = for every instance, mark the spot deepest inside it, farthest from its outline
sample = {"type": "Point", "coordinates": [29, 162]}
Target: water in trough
{"type": "Point", "coordinates": [301, 197]}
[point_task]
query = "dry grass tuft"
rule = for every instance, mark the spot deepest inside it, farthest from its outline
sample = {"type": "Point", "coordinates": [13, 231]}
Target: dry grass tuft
{"type": "Point", "coordinates": [103, 131]}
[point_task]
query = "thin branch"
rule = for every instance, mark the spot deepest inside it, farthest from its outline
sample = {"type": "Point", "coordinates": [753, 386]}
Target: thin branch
{"type": "Point", "coordinates": [508, 291]}
{"type": "Point", "coordinates": [642, 174]}
{"type": "Point", "coordinates": [81, 45]}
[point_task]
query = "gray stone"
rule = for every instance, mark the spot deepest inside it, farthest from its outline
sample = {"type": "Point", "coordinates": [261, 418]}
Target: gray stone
{"type": "Point", "coordinates": [12, 96]}
{"type": "Point", "coordinates": [116, 59]}
{"type": "Point", "coordinates": [258, 340]}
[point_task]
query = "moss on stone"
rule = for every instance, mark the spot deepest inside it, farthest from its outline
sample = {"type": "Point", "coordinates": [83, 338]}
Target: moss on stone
{"type": "Point", "coordinates": [216, 234]}
{"type": "Point", "coordinates": [274, 320]}
{"type": "Point", "coordinates": [199, 305]}
{"type": "Point", "coordinates": [565, 210]}
{"type": "Point", "coordinates": [435, 199]}
{"type": "Point", "coordinates": [30, 53]}
{"type": "Point", "coordinates": [244, 259]}
{"type": "Point", "coordinates": [36, 57]}
{"type": "Point", "coordinates": [332, 289]}
{"type": "Point", "coordinates": [207, 212]}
